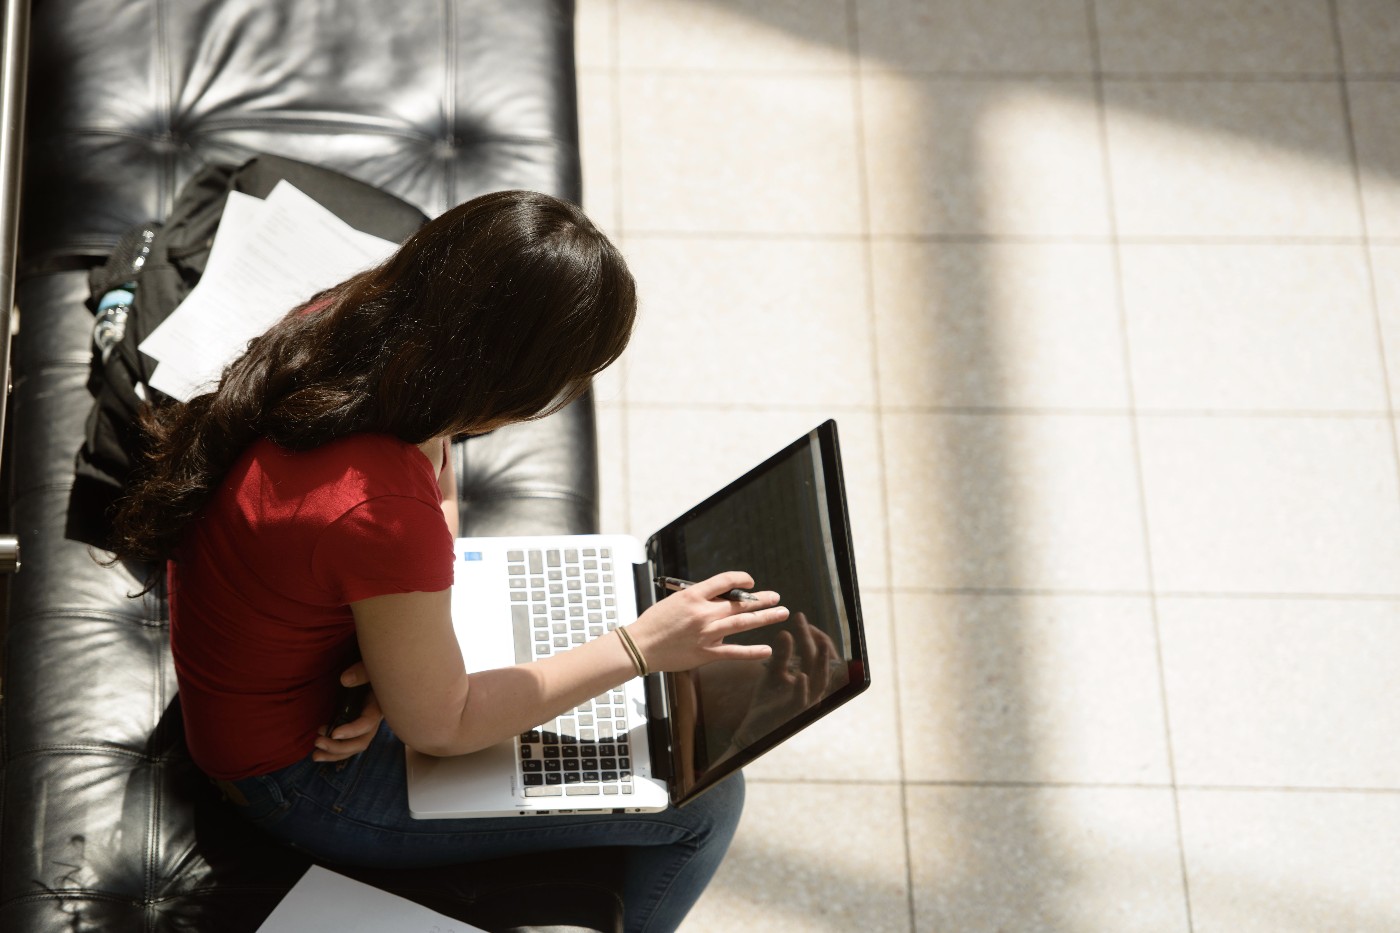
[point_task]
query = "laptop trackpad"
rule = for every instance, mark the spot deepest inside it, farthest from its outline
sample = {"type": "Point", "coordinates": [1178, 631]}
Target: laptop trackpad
{"type": "Point", "coordinates": [439, 787]}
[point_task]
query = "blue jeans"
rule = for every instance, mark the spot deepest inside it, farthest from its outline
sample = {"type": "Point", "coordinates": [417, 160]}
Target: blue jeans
{"type": "Point", "coordinates": [356, 813]}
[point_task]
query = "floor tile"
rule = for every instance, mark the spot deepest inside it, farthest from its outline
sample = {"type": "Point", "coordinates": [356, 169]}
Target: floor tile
{"type": "Point", "coordinates": [730, 154]}
{"type": "Point", "coordinates": [745, 322]}
{"type": "Point", "coordinates": [984, 157]}
{"type": "Point", "coordinates": [811, 858]}
{"type": "Point", "coordinates": [1020, 501]}
{"type": "Point", "coordinates": [1030, 689]}
{"type": "Point", "coordinates": [1272, 505]}
{"type": "Point", "coordinates": [1253, 328]}
{"type": "Point", "coordinates": [597, 117]}
{"type": "Point", "coordinates": [1271, 862]}
{"type": "Point", "coordinates": [1243, 159]}
{"type": "Point", "coordinates": [998, 325]}
{"type": "Point", "coordinates": [1275, 693]}
{"type": "Point", "coordinates": [612, 469]}
{"type": "Point", "coordinates": [975, 36]}
{"type": "Point", "coordinates": [1370, 36]}
{"type": "Point", "coordinates": [678, 456]}
{"type": "Point", "coordinates": [859, 741]}
{"type": "Point", "coordinates": [1375, 115]}
{"type": "Point", "coordinates": [1239, 37]}
{"type": "Point", "coordinates": [988, 859]}
{"type": "Point", "coordinates": [1385, 266]}
{"type": "Point", "coordinates": [734, 35]}
{"type": "Point", "coordinates": [594, 26]}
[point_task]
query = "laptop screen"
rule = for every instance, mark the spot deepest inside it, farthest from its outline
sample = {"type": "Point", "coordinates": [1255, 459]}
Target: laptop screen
{"type": "Point", "coordinates": [785, 523]}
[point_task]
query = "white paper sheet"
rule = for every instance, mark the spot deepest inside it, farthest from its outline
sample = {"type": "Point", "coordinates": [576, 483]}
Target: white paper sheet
{"type": "Point", "coordinates": [325, 902]}
{"type": "Point", "coordinates": [268, 257]}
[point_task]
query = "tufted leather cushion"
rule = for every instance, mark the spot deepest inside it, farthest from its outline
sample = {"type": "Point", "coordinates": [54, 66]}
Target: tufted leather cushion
{"type": "Point", "coordinates": [106, 826]}
{"type": "Point", "coordinates": [433, 100]}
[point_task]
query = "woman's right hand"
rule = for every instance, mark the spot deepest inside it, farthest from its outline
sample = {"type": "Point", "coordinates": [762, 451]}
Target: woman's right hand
{"type": "Point", "coordinates": [688, 628]}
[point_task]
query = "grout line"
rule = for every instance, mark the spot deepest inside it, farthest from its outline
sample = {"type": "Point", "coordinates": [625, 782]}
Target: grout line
{"type": "Point", "coordinates": [1011, 411]}
{"type": "Point", "coordinates": [615, 40]}
{"type": "Point", "coordinates": [624, 415]}
{"type": "Point", "coordinates": [1160, 594]}
{"type": "Point", "coordinates": [1100, 100]}
{"type": "Point", "coordinates": [853, 49]}
{"type": "Point", "coordinates": [1354, 154]}
{"type": "Point", "coordinates": [1026, 239]}
{"type": "Point", "coordinates": [998, 77]}
{"type": "Point", "coordinates": [1081, 785]}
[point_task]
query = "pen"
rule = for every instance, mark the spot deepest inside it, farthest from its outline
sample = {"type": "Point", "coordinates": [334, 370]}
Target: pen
{"type": "Point", "coordinates": [676, 583]}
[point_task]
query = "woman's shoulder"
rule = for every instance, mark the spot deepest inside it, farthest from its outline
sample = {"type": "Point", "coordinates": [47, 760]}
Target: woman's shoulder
{"type": "Point", "coordinates": [376, 464]}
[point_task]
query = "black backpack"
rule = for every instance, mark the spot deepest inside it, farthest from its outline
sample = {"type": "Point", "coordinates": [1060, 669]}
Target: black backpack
{"type": "Point", "coordinates": [175, 257]}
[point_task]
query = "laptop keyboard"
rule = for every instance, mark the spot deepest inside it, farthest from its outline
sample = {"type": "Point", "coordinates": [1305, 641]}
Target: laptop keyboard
{"type": "Point", "coordinates": [561, 598]}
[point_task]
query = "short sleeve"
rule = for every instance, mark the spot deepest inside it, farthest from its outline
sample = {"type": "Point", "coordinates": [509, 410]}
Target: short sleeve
{"type": "Point", "coordinates": [388, 544]}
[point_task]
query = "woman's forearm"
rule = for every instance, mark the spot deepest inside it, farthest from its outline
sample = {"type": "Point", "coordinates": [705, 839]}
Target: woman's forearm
{"type": "Point", "coordinates": [507, 701]}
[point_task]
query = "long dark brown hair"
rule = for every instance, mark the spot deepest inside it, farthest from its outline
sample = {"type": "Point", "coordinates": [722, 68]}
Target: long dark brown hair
{"type": "Point", "coordinates": [500, 310]}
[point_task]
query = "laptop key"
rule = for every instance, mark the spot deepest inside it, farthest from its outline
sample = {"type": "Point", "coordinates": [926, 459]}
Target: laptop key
{"type": "Point", "coordinates": [582, 790]}
{"type": "Point", "coordinates": [534, 780]}
{"type": "Point", "coordinates": [520, 622]}
{"type": "Point", "coordinates": [544, 792]}
{"type": "Point", "coordinates": [536, 562]}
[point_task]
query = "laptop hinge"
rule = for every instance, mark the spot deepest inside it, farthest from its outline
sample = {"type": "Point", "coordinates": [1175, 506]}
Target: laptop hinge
{"type": "Point", "coordinates": [659, 728]}
{"type": "Point", "coordinates": [658, 705]}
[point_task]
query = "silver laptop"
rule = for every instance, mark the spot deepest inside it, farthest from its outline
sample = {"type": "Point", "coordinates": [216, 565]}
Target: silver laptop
{"type": "Point", "coordinates": [660, 741]}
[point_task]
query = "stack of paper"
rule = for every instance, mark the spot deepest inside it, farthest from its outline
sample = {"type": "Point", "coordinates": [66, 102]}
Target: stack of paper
{"type": "Point", "coordinates": [325, 902]}
{"type": "Point", "coordinates": [268, 257]}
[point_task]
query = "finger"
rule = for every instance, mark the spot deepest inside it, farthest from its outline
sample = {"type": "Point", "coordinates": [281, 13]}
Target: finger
{"type": "Point", "coordinates": [355, 674]}
{"type": "Point", "coordinates": [822, 674]}
{"type": "Point", "coordinates": [366, 723]}
{"type": "Point", "coordinates": [722, 583]}
{"type": "Point", "coordinates": [761, 600]}
{"type": "Point", "coordinates": [809, 644]}
{"type": "Point", "coordinates": [336, 749]}
{"type": "Point", "coordinates": [334, 752]}
{"type": "Point", "coordinates": [723, 652]}
{"type": "Point", "coordinates": [782, 656]}
{"type": "Point", "coordinates": [744, 621]}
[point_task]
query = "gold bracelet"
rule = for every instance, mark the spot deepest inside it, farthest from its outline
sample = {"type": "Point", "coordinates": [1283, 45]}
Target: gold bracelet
{"type": "Point", "coordinates": [639, 662]}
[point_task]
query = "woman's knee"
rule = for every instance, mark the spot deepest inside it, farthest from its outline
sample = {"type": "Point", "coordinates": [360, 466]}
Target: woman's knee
{"type": "Point", "coordinates": [716, 813]}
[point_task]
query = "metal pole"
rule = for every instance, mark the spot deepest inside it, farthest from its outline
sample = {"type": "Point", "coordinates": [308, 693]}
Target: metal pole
{"type": "Point", "coordinates": [14, 68]}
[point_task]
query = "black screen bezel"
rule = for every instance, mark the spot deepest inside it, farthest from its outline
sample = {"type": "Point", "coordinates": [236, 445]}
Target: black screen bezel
{"type": "Point", "coordinates": [825, 442]}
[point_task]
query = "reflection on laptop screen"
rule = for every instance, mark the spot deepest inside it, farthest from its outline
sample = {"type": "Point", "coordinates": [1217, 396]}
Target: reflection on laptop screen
{"type": "Point", "coordinates": [777, 525]}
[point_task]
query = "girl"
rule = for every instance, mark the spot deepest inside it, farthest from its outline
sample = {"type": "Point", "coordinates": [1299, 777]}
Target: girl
{"type": "Point", "coordinates": [305, 510]}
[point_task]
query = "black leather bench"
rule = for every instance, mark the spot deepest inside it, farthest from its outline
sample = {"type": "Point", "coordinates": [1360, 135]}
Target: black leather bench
{"type": "Point", "coordinates": [106, 824]}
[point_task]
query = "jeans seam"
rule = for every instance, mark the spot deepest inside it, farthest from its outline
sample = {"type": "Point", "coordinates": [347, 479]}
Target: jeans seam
{"type": "Point", "coordinates": [654, 905]}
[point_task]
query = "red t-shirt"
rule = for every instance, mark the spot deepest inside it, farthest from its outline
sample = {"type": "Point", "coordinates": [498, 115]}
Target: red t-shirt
{"type": "Point", "coordinates": [260, 625]}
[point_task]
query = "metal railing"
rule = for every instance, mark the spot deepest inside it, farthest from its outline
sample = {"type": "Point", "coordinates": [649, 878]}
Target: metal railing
{"type": "Point", "coordinates": [14, 66]}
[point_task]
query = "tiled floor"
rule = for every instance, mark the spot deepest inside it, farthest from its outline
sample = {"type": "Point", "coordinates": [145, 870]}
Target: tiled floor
{"type": "Point", "coordinates": [1105, 296]}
